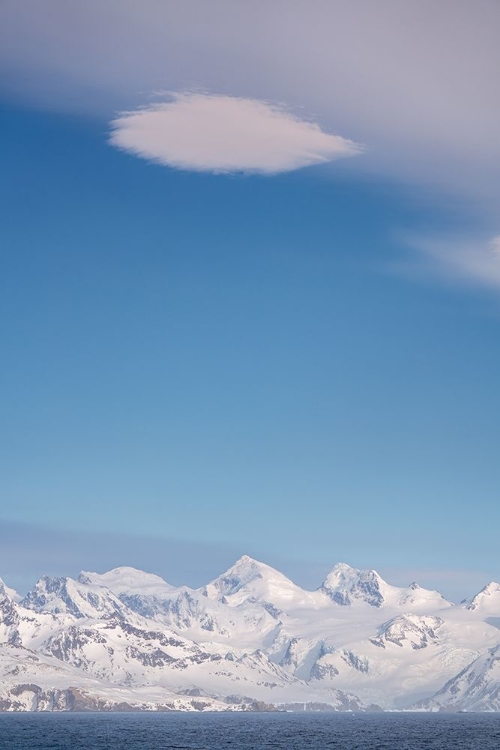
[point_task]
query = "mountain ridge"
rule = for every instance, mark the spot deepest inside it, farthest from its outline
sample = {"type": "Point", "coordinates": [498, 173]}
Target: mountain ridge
{"type": "Point", "coordinates": [252, 635]}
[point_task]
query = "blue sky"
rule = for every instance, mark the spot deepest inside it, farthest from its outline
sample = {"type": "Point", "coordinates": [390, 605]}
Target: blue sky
{"type": "Point", "coordinates": [298, 364]}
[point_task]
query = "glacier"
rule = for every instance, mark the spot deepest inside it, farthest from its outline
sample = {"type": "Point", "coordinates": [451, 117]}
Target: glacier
{"type": "Point", "coordinates": [250, 639]}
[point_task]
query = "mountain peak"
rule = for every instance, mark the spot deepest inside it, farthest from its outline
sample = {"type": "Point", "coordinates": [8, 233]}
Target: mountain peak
{"type": "Point", "coordinates": [241, 573]}
{"type": "Point", "coordinates": [346, 585]}
{"type": "Point", "coordinates": [78, 598]}
{"type": "Point", "coordinates": [245, 559]}
{"type": "Point", "coordinates": [247, 564]}
{"type": "Point", "coordinates": [126, 579]}
{"type": "Point", "coordinates": [489, 596]}
{"type": "Point", "coordinates": [253, 630]}
{"type": "Point", "coordinates": [251, 580]}
{"type": "Point", "coordinates": [491, 588]}
{"type": "Point", "coordinates": [10, 593]}
{"type": "Point", "coordinates": [52, 594]}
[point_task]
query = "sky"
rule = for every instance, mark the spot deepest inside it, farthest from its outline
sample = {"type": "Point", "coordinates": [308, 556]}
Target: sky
{"type": "Point", "coordinates": [250, 288]}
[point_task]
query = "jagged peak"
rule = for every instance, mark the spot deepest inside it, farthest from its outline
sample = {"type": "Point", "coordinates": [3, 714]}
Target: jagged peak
{"type": "Point", "coordinates": [6, 591]}
{"type": "Point", "coordinates": [245, 559]}
{"type": "Point", "coordinates": [493, 587]}
{"type": "Point", "coordinates": [65, 595]}
{"type": "Point", "coordinates": [250, 578]}
{"type": "Point", "coordinates": [345, 571]}
{"type": "Point", "coordinates": [50, 583]}
{"type": "Point", "coordinates": [50, 593]}
{"type": "Point", "coordinates": [246, 569]}
{"type": "Point", "coordinates": [346, 585]}
{"type": "Point", "coordinates": [489, 595]}
{"type": "Point", "coordinates": [8, 597]}
{"type": "Point", "coordinates": [250, 563]}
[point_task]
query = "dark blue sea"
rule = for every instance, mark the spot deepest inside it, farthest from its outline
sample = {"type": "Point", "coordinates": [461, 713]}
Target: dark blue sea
{"type": "Point", "coordinates": [172, 731]}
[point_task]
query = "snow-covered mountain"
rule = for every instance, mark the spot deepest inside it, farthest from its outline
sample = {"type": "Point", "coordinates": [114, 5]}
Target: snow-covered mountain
{"type": "Point", "coordinates": [251, 638]}
{"type": "Point", "coordinates": [475, 688]}
{"type": "Point", "coordinates": [346, 585]}
{"type": "Point", "coordinates": [487, 599]}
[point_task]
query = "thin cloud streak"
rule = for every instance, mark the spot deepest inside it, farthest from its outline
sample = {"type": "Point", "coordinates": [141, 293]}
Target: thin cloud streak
{"type": "Point", "coordinates": [471, 261]}
{"type": "Point", "coordinates": [28, 551]}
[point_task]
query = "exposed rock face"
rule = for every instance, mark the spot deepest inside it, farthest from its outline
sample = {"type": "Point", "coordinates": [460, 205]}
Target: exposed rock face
{"type": "Point", "coordinates": [475, 688]}
{"type": "Point", "coordinates": [488, 598]}
{"type": "Point", "coordinates": [409, 630]}
{"type": "Point", "coordinates": [346, 585]}
{"type": "Point", "coordinates": [249, 640]}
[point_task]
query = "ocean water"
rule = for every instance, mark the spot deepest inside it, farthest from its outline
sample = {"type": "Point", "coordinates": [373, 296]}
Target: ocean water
{"type": "Point", "coordinates": [173, 731]}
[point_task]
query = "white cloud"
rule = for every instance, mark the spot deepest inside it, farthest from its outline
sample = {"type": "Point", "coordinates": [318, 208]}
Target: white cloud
{"type": "Point", "coordinates": [226, 134]}
{"type": "Point", "coordinates": [417, 82]}
{"type": "Point", "coordinates": [470, 260]}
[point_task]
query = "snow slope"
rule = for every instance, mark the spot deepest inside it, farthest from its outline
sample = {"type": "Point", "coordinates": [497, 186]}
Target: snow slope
{"type": "Point", "coordinates": [475, 688]}
{"type": "Point", "coordinates": [251, 637]}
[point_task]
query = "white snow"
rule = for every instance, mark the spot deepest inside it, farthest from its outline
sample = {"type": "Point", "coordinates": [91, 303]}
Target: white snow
{"type": "Point", "coordinates": [251, 632]}
{"type": "Point", "coordinates": [10, 592]}
{"type": "Point", "coordinates": [127, 580]}
{"type": "Point", "coordinates": [487, 599]}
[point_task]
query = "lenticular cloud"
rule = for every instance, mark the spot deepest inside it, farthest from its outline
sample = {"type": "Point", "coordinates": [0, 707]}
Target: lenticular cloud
{"type": "Point", "coordinates": [225, 134]}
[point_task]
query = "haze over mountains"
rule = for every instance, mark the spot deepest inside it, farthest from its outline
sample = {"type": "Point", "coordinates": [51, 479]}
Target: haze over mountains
{"type": "Point", "coordinates": [249, 639]}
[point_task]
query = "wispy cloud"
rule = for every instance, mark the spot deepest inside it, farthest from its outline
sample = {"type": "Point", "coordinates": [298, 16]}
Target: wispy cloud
{"type": "Point", "coordinates": [225, 134]}
{"type": "Point", "coordinates": [468, 260]}
{"type": "Point", "coordinates": [29, 550]}
{"type": "Point", "coordinates": [417, 82]}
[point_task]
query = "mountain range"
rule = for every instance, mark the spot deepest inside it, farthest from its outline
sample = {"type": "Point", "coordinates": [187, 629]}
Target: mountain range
{"type": "Point", "coordinates": [249, 640]}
